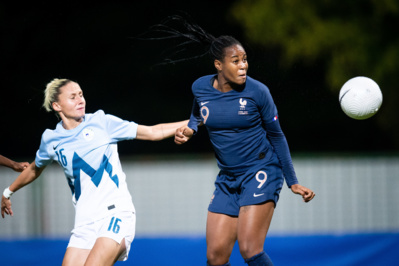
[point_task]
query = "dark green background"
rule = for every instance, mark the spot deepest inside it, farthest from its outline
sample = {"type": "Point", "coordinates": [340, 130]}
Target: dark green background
{"type": "Point", "coordinates": [94, 45]}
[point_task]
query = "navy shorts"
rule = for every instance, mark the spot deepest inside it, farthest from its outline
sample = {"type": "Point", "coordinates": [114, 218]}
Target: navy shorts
{"type": "Point", "coordinates": [255, 186]}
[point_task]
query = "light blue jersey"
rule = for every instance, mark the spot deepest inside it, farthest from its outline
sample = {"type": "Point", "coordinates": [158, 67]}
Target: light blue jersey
{"type": "Point", "coordinates": [89, 157]}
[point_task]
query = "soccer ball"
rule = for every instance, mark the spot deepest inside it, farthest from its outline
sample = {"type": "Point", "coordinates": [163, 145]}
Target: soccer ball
{"type": "Point", "coordinates": [360, 98]}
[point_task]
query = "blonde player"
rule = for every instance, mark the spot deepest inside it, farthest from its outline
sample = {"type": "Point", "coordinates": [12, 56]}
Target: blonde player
{"type": "Point", "coordinates": [85, 146]}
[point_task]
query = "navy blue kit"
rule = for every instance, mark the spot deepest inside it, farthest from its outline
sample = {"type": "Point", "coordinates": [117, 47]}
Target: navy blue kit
{"type": "Point", "coordinates": [250, 147]}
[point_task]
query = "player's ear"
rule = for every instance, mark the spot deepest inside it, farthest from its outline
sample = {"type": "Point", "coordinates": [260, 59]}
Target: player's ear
{"type": "Point", "coordinates": [56, 106]}
{"type": "Point", "coordinates": [218, 65]}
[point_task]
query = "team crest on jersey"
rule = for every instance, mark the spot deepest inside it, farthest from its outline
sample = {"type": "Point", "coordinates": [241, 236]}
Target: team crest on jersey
{"type": "Point", "coordinates": [88, 134]}
{"type": "Point", "coordinates": [242, 111]}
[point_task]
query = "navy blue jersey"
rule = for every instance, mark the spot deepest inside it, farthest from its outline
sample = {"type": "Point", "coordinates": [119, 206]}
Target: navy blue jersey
{"type": "Point", "coordinates": [237, 123]}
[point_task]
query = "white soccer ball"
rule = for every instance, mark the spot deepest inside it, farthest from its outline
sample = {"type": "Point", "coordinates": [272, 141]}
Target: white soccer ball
{"type": "Point", "coordinates": [360, 98]}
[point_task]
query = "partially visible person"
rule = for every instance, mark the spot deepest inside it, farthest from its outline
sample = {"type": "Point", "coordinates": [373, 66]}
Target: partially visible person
{"type": "Point", "coordinates": [16, 166]}
{"type": "Point", "coordinates": [250, 147]}
{"type": "Point", "coordinates": [85, 146]}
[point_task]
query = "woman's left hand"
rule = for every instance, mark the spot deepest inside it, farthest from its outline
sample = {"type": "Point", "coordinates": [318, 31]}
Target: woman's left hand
{"type": "Point", "coordinates": [306, 193]}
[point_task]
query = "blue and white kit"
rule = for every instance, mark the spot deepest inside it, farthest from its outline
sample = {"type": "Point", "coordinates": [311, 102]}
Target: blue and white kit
{"type": "Point", "coordinates": [245, 133]}
{"type": "Point", "coordinates": [89, 156]}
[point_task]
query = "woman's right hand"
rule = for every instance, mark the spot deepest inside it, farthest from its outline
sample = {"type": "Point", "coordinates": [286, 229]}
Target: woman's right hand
{"type": "Point", "coordinates": [183, 134]}
{"type": "Point", "coordinates": [6, 207]}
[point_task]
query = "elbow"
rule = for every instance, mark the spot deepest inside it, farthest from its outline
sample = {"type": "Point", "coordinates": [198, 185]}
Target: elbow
{"type": "Point", "coordinates": [276, 137]}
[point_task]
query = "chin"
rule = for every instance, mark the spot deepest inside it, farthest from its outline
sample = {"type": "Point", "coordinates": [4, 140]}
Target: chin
{"type": "Point", "coordinates": [81, 115]}
{"type": "Point", "coordinates": [242, 81]}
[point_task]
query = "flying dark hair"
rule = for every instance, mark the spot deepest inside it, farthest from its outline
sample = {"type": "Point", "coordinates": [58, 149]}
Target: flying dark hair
{"type": "Point", "coordinates": [191, 34]}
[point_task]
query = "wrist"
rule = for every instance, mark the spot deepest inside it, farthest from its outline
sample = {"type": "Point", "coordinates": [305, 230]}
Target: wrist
{"type": "Point", "coordinates": [193, 131]}
{"type": "Point", "coordinates": [7, 193]}
{"type": "Point", "coordinates": [14, 166]}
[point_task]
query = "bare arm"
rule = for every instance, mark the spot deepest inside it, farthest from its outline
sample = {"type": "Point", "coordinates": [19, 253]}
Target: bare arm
{"type": "Point", "coordinates": [159, 132]}
{"type": "Point", "coordinates": [26, 177]}
{"type": "Point", "coordinates": [19, 167]}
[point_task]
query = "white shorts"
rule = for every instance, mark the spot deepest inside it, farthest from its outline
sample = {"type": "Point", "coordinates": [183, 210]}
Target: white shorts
{"type": "Point", "coordinates": [117, 226]}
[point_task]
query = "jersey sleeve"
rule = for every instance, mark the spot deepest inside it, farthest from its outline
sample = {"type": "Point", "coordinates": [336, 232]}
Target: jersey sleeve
{"type": "Point", "coordinates": [280, 145]}
{"type": "Point", "coordinates": [275, 135]}
{"type": "Point", "coordinates": [43, 157]}
{"type": "Point", "coordinates": [266, 105]}
{"type": "Point", "coordinates": [119, 129]}
{"type": "Point", "coordinates": [195, 118]}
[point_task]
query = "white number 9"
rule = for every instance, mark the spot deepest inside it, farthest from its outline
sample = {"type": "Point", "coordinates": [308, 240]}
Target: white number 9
{"type": "Point", "coordinates": [261, 181]}
{"type": "Point", "coordinates": [204, 113]}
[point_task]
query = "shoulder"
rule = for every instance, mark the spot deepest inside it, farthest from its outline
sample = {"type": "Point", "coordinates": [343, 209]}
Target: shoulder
{"type": "Point", "coordinates": [103, 119]}
{"type": "Point", "coordinates": [202, 81]}
{"type": "Point", "coordinates": [257, 86]}
{"type": "Point", "coordinates": [259, 91]}
{"type": "Point", "coordinates": [98, 113]}
{"type": "Point", "coordinates": [47, 135]}
{"type": "Point", "coordinates": [97, 117]}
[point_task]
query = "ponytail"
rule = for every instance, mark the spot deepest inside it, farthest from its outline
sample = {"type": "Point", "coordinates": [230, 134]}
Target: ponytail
{"type": "Point", "coordinates": [190, 35]}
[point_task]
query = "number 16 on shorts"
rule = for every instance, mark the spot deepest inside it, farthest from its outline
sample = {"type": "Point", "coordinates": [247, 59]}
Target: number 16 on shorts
{"type": "Point", "coordinates": [114, 225]}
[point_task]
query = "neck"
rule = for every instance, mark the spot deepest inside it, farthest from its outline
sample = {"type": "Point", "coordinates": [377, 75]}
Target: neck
{"type": "Point", "coordinates": [71, 123]}
{"type": "Point", "coordinates": [222, 85]}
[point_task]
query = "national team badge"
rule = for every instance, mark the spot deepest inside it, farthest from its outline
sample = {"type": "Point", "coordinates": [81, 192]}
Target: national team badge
{"type": "Point", "coordinates": [242, 111]}
{"type": "Point", "coordinates": [242, 104]}
{"type": "Point", "coordinates": [88, 134]}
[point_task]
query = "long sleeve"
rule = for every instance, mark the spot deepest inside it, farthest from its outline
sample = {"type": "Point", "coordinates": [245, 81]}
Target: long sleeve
{"type": "Point", "coordinates": [195, 118]}
{"type": "Point", "coordinates": [280, 145]}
